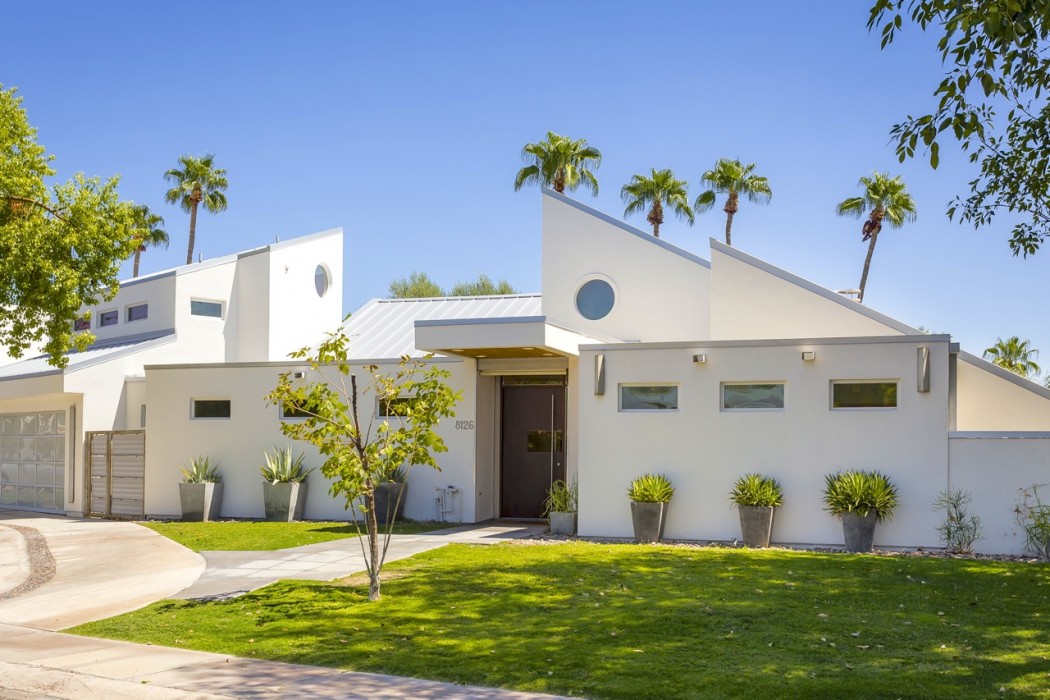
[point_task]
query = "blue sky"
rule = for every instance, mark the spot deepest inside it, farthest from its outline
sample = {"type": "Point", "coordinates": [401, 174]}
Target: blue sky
{"type": "Point", "coordinates": [403, 123]}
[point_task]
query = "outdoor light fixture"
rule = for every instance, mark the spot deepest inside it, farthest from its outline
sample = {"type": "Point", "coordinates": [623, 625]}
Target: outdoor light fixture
{"type": "Point", "coordinates": [298, 375]}
{"type": "Point", "coordinates": [599, 375]}
{"type": "Point", "coordinates": [808, 355]}
{"type": "Point", "coordinates": [922, 370]}
{"type": "Point", "coordinates": [700, 359]}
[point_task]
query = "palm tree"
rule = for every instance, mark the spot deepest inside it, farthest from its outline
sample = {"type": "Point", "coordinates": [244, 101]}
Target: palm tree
{"type": "Point", "coordinates": [733, 178]}
{"type": "Point", "coordinates": [199, 182]}
{"type": "Point", "coordinates": [149, 232]}
{"type": "Point", "coordinates": [559, 162]}
{"type": "Point", "coordinates": [884, 199]}
{"type": "Point", "coordinates": [1015, 355]}
{"type": "Point", "coordinates": [655, 191]}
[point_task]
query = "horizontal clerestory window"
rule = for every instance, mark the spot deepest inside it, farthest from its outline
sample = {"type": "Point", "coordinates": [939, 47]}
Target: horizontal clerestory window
{"type": "Point", "coordinates": [648, 397]}
{"type": "Point", "coordinates": [210, 408]}
{"type": "Point", "coordinates": [863, 394]}
{"type": "Point", "coordinates": [742, 396]}
{"type": "Point", "coordinates": [200, 307]}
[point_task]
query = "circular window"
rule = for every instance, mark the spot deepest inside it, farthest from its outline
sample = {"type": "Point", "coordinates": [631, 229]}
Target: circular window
{"type": "Point", "coordinates": [321, 280]}
{"type": "Point", "coordinates": [595, 299]}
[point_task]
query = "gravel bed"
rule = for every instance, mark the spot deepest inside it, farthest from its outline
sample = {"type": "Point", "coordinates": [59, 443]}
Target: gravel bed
{"type": "Point", "coordinates": [41, 563]}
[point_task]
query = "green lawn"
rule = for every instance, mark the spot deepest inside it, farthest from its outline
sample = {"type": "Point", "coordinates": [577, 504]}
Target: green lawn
{"type": "Point", "coordinates": [627, 621]}
{"type": "Point", "coordinates": [254, 535]}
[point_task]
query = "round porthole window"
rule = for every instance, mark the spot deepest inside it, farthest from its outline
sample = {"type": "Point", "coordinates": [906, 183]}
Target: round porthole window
{"type": "Point", "coordinates": [322, 280]}
{"type": "Point", "coordinates": [594, 300]}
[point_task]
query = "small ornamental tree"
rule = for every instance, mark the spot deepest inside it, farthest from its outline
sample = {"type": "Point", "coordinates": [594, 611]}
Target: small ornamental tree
{"type": "Point", "coordinates": [360, 446]}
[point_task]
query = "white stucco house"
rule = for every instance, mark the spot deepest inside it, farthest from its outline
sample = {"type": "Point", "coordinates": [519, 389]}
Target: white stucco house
{"type": "Point", "coordinates": [636, 357]}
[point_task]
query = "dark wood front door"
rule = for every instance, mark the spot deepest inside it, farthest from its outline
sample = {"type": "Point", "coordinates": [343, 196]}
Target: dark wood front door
{"type": "Point", "coordinates": [532, 447]}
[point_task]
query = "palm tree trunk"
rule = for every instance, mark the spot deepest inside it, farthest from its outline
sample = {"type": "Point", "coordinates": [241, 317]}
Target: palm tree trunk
{"type": "Point", "coordinates": [732, 207]}
{"type": "Point", "coordinates": [193, 232]}
{"type": "Point", "coordinates": [135, 268]}
{"type": "Point", "coordinates": [867, 265]}
{"type": "Point", "coordinates": [729, 227]}
{"type": "Point", "coordinates": [656, 217]}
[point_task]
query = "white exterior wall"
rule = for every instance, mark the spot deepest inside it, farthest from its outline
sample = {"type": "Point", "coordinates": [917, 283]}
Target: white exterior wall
{"type": "Point", "coordinates": [661, 294]}
{"type": "Point", "coordinates": [205, 339]}
{"type": "Point", "coordinates": [985, 401]}
{"type": "Point", "coordinates": [993, 467]}
{"type": "Point", "coordinates": [704, 450]}
{"type": "Point", "coordinates": [297, 315]}
{"type": "Point", "coordinates": [254, 427]}
{"type": "Point", "coordinates": [158, 292]}
{"type": "Point", "coordinates": [248, 311]}
{"type": "Point", "coordinates": [748, 302]}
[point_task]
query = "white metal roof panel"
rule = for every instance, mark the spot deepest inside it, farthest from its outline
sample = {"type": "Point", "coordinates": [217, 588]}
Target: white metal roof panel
{"type": "Point", "coordinates": [385, 328]}
{"type": "Point", "coordinates": [38, 366]}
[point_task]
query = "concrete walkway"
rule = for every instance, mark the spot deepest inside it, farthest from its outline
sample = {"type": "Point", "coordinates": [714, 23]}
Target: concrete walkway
{"type": "Point", "coordinates": [104, 568]}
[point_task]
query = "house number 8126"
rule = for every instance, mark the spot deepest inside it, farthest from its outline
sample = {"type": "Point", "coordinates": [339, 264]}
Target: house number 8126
{"type": "Point", "coordinates": [464, 425]}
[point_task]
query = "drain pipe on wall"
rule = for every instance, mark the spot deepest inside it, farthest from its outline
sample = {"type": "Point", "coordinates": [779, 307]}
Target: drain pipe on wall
{"type": "Point", "coordinates": [446, 502]}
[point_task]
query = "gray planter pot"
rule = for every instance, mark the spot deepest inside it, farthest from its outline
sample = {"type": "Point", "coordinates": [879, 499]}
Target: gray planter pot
{"type": "Point", "coordinates": [858, 531]}
{"type": "Point", "coordinates": [648, 520]}
{"type": "Point", "coordinates": [563, 523]}
{"type": "Point", "coordinates": [756, 524]}
{"type": "Point", "coordinates": [284, 501]}
{"type": "Point", "coordinates": [200, 502]}
{"type": "Point", "coordinates": [390, 495]}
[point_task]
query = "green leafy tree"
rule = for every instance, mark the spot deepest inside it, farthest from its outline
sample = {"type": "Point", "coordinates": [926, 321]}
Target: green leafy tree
{"type": "Point", "coordinates": [148, 232]}
{"type": "Point", "coordinates": [1015, 355]}
{"type": "Point", "coordinates": [361, 448]}
{"type": "Point", "coordinates": [655, 192]}
{"type": "Point", "coordinates": [61, 247]}
{"type": "Point", "coordinates": [732, 178]}
{"type": "Point", "coordinates": [418, 285]}
{"type": "Point", "coordinates": [559, 162]}
{"type": "Point", "coordinates": [885, 199]}
{"type": "Point", "coordinates": [993, 100]}
{"type": "Point", "coordinates": [198, 183]}
{"type": "Point", "coordinates": [482, 286]}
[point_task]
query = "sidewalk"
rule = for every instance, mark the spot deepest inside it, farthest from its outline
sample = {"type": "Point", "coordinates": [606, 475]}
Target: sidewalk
{"type": "Point", "coordinates": [104, 568]}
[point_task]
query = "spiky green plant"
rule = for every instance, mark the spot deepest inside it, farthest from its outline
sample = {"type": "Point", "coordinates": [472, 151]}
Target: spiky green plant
{"type": "Point", "coordinates": [201, 470]}
{"type": "Point", "coordinates": [1033, 516]}
{"type": "Point", "coordinates": [860, 492]}
{"type": "Point", "coordinates": [960, 529]}
{"type": "Point", "coordinates": [561, 498]}
{"type": "Point", "coordinates": [282, 468]}
{"type": "Point", "coordinates": [757, 490]}
{"type": "Point", "coordinates": [651, 488]}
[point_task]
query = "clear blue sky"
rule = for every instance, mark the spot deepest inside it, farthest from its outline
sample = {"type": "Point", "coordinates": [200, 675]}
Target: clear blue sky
{"type": "Point", "coordinates": [403, 123]}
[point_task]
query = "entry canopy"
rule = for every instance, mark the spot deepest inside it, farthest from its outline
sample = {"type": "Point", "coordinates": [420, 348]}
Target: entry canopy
{"type": "Point", "coordinates": [524, 336]}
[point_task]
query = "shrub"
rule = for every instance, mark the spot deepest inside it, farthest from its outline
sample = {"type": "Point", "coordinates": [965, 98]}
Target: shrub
{"type": "Point", "coordinates": [651, 488]}
{"type": "Point", "coordinates": [282, 468]}
{"type": "Point", "coordinates": [1034, 518]}
{"type": "Point", "coordinates": [562, 498]}
{"type": "Point", "coordinates": [860, 492]}
{"type": "Point", "coordinates": [201, 470]}
{"type": "Point", "coordinates": [757, 490]}
{"type": "Point", "coordinates": [959, 530]}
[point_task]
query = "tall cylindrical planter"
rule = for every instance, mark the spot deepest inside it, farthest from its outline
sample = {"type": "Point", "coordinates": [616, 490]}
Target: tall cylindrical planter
{"type": "Point", "coordinates": [648, 520]}
{"type": "Point", "coordinates": [201, 501]}
{"type": "Point", "coordinates": [756, 524]}
{"type": "Point", "coordinates": [859, 531]}
{"type": "Point", "coordinates": [284, 501]}
{"type": "Point", "coordinates": [390, 497]}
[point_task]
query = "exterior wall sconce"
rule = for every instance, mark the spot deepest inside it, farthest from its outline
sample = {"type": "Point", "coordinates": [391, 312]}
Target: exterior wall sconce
{"type": "Point", "coordinates": [298, 375]}
{"type": "Point", "coordinates": [700, 359]}
{"type": "Point", "coordinates": [599, 375]}
{"type": "Point", "coordinates": [808, 356]}
{"type": "Point", "coordinates": [922, 370]}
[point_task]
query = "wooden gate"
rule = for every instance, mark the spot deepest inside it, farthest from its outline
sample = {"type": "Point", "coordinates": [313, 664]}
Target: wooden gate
{"type": "Point", "coordinates": [116, 473]}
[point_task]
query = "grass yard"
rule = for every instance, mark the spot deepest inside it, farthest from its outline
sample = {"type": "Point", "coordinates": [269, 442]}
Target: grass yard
{"type": "Point", "coordinates": [251, 535]}
{"type": "Point", "coordinates": [627, 621]}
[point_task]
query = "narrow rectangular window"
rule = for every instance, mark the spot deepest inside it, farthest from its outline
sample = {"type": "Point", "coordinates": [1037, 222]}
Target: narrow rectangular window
{"type": "Point", "coordinates": [211, 408]}
{"type": "Point", "coordinates": [393, 407]}
{"type": "Point", "coordinates": [753, 397]}
{"type": "Point", "coordinates": [82, 324]}
{"type": "Point", "coordinates": [206, 308]}
{"type": "Point", "coordinates": [648, 397]}
{"type": "Point", "coordinates": [864, 394]}
{"type": "Point", "coordinates": [291, 412]}
{"type": "Point", "coordinates": [108, 318]}
{"type": "Point", "coordinates": [138, 312]}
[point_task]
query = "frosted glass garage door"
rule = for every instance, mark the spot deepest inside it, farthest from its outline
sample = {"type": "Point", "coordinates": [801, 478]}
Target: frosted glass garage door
{"type": "Point", "coordinates": [32, 460]}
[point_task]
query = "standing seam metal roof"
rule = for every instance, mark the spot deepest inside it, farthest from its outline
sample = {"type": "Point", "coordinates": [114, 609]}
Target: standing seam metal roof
{"type": "Point", "coordinates": [385, 328]}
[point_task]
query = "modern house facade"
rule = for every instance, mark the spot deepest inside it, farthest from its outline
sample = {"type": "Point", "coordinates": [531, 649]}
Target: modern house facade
{"type": "Point", "coordinates": [641, 357]}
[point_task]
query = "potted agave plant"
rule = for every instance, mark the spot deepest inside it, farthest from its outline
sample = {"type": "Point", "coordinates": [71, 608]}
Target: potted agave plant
{"type": "Point", "coordinates": [390, 490]}
{"type": "Point", "coordinates": [284, 488]}
{"type": "Point", "coordinates": [756, 497]}
{"type": "Point", "coordinates": [649, 494]}
{"type": "Point", "coordinates": [200, 493]}
{"type": "Point", "coordinates": [861, 499]}
{"type": "Point", "coordinates": [560, 507]}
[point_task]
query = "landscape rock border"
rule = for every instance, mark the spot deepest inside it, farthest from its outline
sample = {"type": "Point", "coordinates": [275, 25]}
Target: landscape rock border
{"type": "Point", "coordinates": [41, 563]}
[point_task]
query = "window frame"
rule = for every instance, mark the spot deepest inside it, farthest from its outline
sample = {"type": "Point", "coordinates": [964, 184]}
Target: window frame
{"type": "Point", "coordinates": [834, 382]}
{"type": "Point", "coordinates": [193, 408]}
{"type": "Point", "coordinates": [102, 318]}
{"type": "Point", "coordinates": [221, 304]}
{"type": "Point", "coordinates": [138, 305]}
{"type": "Point", "coordinates": [586, 281]}
{"type": "Point", "coordinates": [81, 324]}
{"type": "Point", "coordinates": [753, 409]}
{"type": "Point", "coordinates": [634, 385]}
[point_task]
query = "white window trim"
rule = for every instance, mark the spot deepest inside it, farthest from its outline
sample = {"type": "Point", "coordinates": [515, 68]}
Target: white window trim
{"type": "Point", "coordinates": [220, 302]}
{"type": "Point", "coordinates": [129, 307]}
{"type": "Point", "coordinates": [619, 397]}
{"type": "Point", "coordinates": [108, 325]}
{"type": "Point", "coordinates": [831, 395]}
{"type": "Point", "coordinates": [195, 399]}
{"type": "Point", "coordinates": [722, 397]}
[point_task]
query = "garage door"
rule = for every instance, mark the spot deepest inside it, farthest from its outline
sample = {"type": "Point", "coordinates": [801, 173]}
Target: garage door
{"type": "Point", "coordinates": [32, 461]}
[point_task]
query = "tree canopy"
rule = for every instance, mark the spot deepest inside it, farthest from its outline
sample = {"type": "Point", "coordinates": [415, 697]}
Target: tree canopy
{"type": "Point", "coordinates": [197, 183]}
{"type": "Point", "coordinates": [1015, 355]}
{"type": "Point", "coordinates": [559, 162]}
{"type": "Point", "coordinates": [654, 192]}
{"type": "Point", "coordinates": [61, 246]}
{"type": "Point", "coordinates": [732, 178]}
{"type": "Point", "coordinates": [992, 100]}
{"type": "Point", "coordinates": [418, 285]}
